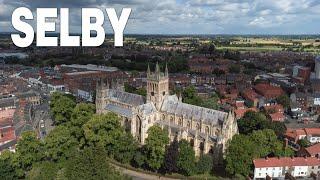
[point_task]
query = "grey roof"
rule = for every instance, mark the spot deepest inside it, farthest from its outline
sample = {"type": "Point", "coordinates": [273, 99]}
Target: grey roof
{"type": "Point", "coordinates": [172, 105]}
{"type": "Point", "coordinates": [119, 110]}
{"type": "Point", "coordinates": [27, 94]}
{"type": "Point", "coordinates": [147, 108]}
{"type": "Point", "coordinates": [124, 97]}
{"type": "Point", "coordinates": [6, 102]}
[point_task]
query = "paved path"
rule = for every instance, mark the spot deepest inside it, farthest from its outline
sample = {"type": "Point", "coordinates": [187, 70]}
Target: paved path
{"type": "Point", "coordinates": [139, 175]}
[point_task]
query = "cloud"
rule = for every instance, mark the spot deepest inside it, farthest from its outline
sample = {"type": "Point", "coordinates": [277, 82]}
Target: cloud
{"type": "Point", "coordinates": [192, 16]}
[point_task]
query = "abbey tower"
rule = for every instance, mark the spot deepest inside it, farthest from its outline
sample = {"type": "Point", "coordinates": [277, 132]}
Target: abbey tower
{"type": "Point", "coordinates": [157, 86]}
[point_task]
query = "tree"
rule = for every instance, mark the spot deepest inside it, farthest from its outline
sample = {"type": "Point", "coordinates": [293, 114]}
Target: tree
{"type": "Point", "coordinates": [190, 96]}
{"type": "Point", "coordinates": [239, 155]}
{"type": "Point", "coordinates": [303, 142]}
{"type": "Point", "coordinates": [141, 91]}
{"type": "Point", "coordinates": [59, 144]}
{"type": "Point", "coordinates": [205, 164]}
{"type": "Point", "coordinates": [243, 149]}
{"type": "Point", "coordinates": [29, 151]}
{"type": "Point", "coordinates": [265, 142]}
{"type": "Point", "coordinates": [61, 107]}
{"type": "Point", "coordinates": [171, 157]}
{"type": "Point", "coordinates": [90, 164]}
{"type": "Point", "coordinates": [284, 100]}
{"type": "Point", "coordinates": [186, 158]}
{"type": "Point", "coordinates": [125, 148]}
{"type": "Point", "coordinates": [44, 170]}
{"type": "Point", "coordinates": [155, 147]}
{"type": "Point", "coordinates": [7, 168]}
{"type": "Point", "coordinates": [252, 121]}
{"type": "Point", "coordinates": [211, 103]}
{"type": "Point", "coordinates": [81, 114]}
{"type": "Point", "coordinates": [139, 159]}
{"type": "Point", "coordinates": [105, 130]}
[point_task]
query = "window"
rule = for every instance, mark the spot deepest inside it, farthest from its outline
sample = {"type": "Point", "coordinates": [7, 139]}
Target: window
{"type": "Point", "coordinates": [207, 130]}
{"type": "Point", "coordinates": [198, 126]}
{"type": "Point", "coordinates": [189, 125]}
{"type": "Point", "coordinates": [171, 120]}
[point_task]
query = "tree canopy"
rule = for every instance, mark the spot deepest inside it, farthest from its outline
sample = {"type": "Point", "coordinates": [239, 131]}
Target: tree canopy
{"type": "Point", "coordinates": [155, 147]}
{"type": "Point", "coordinates": [61, 107]}
{"type": "Point", "coordinates": [240, 152]}
{"type": "Point", "coordinates": [186, 158]}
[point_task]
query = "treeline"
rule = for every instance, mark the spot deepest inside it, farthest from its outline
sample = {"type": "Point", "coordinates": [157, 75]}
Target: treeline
{"type": "Point", "coordinates": [175, 62]}
{"type": "Point", "coordinates": [82, 142]}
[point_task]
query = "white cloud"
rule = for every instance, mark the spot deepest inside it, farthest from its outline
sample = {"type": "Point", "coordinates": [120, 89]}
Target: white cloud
{"type": "Point", "coordinates": [194, 16]}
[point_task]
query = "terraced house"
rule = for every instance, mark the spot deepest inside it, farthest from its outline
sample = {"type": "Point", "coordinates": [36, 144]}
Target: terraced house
{"type": "Point", "coordinates": [207, 130]}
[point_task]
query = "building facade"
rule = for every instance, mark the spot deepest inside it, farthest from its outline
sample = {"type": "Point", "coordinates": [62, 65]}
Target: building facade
{"type": "Point", "coordinates": [207, 130]}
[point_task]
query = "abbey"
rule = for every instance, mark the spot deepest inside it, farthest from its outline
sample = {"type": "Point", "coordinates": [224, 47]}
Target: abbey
{"type": "Point", "coordinates": [207, 130]}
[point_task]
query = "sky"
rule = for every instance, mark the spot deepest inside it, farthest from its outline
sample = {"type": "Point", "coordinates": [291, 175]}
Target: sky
{"type": "Point", "coordinates": [189, 16]}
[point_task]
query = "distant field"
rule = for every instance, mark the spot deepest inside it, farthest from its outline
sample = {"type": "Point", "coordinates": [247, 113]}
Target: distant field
{"type": "Point", "coordinates": [250, 48]}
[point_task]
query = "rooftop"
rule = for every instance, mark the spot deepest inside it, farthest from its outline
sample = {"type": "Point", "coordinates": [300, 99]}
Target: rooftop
{"type": "Point", "coordinates": [172, 105]}
{"type": "Point", "coordinates": [286, 162]}
{"type": "Point", "coordinates": [313, 150]}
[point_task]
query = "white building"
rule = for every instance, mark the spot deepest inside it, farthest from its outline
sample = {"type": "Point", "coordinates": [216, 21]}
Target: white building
{"type": "Point", "coordinates": [278, 167]}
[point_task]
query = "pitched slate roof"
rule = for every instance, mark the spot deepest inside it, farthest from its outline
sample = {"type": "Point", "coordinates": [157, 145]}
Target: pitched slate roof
{"type": "Point", "coordinates": [119, 110]}
{"type": "Point", "coordinates": [6, 102]}
{"type": "Point", "coordinates": [172, 105]}
{"type": "Point", "coordinates": [147, 108]}
{"type": "Point", "coordinates": [124, 97]}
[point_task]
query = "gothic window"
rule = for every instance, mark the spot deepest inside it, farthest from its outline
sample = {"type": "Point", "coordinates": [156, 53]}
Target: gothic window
{"type": "Point", "coordinates": [172, 120]}
{"type": "Point", "coordinates": [149, 121]}
{"type": "Point", "coordinates": [163, 117]}
{"type": "Point", "coordinates": [154, 118]}
{"type": "Point", "coordinates": [152, 93]}
{"type": "Point", "coordinates": [217, 132]}
{"type": "Point", "coordinates": [163, 93]}
{"type": "Point", "coordinates": [189, 125]}
{"type": "Point", "coordinates": [127, 125]}
{"type": "Point", "coordinates": [192, 142]}
{"type": "Point", "coordinates": [180, 122]}
{"type": "Point", "coordinates": [198, 126]}
{"type": "Point", "coordinates": [207, 130]}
